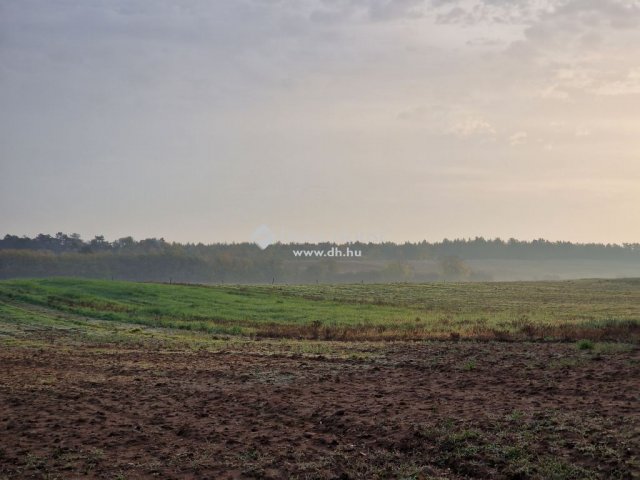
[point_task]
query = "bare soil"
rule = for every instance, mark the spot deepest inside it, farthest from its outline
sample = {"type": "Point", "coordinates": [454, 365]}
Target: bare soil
{"type": "Point", "coordinates": [405, 410]}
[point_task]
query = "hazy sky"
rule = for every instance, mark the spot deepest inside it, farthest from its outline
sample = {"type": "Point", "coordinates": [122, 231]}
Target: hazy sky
{"type": "Point", "coordinates": [322, 119]}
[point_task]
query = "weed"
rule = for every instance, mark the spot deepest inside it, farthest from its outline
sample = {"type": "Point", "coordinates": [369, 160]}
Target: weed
{"type": "Point", "coordinates": [585, 344]}
{"type": "Point", "coordinates": [470, 365]}
{"type": "Point", "coordinates": [34, 461]}
{"type": "Point", "coordinates": [248, 458]}
{"type": "Point", "coordinates": [557, 469]}
{"type": "Point", "coordinates": [515, 416]}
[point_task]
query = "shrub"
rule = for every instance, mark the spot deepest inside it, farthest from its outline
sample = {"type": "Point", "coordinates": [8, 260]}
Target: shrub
{"type": "Point", "coordinates": [585, 345]}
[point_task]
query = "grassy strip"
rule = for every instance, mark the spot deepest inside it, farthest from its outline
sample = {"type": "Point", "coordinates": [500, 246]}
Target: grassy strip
{"type": "Point", "coordinates": [597, 310]}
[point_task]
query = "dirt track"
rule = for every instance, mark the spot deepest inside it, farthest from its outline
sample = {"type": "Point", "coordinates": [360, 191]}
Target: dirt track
{"type": "Point", "coordinates": [452, 410]}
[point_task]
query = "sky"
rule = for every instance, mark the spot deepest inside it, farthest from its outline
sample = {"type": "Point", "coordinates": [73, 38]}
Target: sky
{"type": "Point", "coordinates": [338, 120]}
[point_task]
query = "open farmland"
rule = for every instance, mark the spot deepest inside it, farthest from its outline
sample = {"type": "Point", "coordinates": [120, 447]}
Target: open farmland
{"type": "Point", "coordinates": [569, 310]}
{"type": "Point", "coordinates": [120, 380]}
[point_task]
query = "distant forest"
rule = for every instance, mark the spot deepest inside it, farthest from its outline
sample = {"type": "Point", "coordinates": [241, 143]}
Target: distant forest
{"type": "Point", "coordinates": [157, 260]}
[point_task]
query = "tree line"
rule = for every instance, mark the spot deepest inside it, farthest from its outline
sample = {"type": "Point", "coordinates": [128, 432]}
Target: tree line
{"type": "Point", "coordinates": [154, 259]}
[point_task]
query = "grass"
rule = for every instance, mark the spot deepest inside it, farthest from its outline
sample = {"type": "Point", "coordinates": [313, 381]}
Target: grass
{"type": "Point", "coordinates": [511, 447]}
{"type": "Point", "coordinates": [589, 310]}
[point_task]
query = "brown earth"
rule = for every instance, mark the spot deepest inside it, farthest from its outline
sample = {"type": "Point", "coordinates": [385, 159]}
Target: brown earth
{"type": "Point", "coordinates": [401, 410]}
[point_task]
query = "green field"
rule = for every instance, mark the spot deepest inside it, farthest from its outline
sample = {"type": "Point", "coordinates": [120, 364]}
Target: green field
{"type": "Point", "coordinates": [568, 310]}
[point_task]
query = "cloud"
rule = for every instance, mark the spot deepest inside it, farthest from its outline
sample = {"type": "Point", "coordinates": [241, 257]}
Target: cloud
{"type": "Point", "coordinates": [485, 42]}
{"type": "Point", "coordinates": [473, 126]}
{"type": "Point", "coordinates": [518, 138]}
{"type": "Point", "coordinates": [619, 14]}
{"type": "Point", "coordinates": [574, 48]}
{"type": "Point", "coordinates": [472, 12]}
{"type": "Point", "coordinates": [629, 85]}
{"type": "Point", "coordinates": [554, 91]}
{"type": "Point", "coordinates": [341, 11]}
{"type": "Point", "coordinates": [449, 120]}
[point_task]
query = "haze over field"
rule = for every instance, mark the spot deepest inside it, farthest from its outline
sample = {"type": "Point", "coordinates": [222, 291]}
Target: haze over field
{"type": "Point", "coordinates": [323, 119]}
